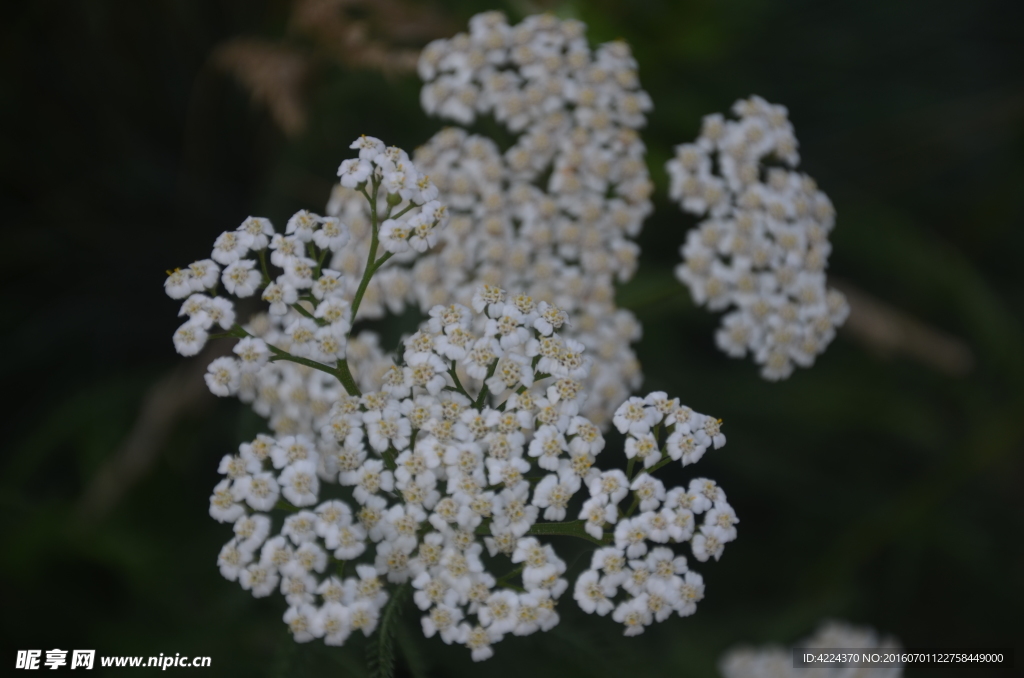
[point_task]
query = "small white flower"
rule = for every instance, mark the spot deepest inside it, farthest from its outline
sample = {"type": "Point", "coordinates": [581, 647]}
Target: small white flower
{"type": "Point", "coordinates": [443, 620]}
{"type": "Point", "coordinates": [230, 246]}
{"type": "Point", "coordinates": [232, 560]}
{"type": "Point", "coordinates": [300, 527]}
{"type": "Point", "coordinates": [634, 615]}
{"type": "Point", "coordinates": [479, 640]}
{"type": "Point", "coordinates": [261, 579]}
{"type": "Point", "coordinates": [611, 484]}
{"type": "Point", "coordinates": [593, 594]}
{"type": "Point", "coordinates": [178, 284]}
{"type": "Point", "coordinates": [649, 490]}
{"type": "Point", "coordinates": [252, 354]}
{"type": "Point", "coordinates": [332, 624]}
{"type": "Point", "coordinates": [240, 278]}
{"type": "Point", "coordinates": [301, 621]}
{"type": "Point", "coordinates": [707, 544]}
{"type": "Point", "coordinates": [332, 235]}
{"type": "Point", "coordinates": [302, 225]}
{"type": "Point", "coordinates": [224, 506]}
{"type": "Point", "coordinates": [190, 338]}
{"type": "Point", "coordinates": [643, 447]}
{"type": "Point", "coordinates": [635, 417]}
{"type": "Point", "coordinates": [252, 531]}
{"type": "Point", "coordinates": [204, 274]}
{"type": "Point", "coordinates": [553, 494]}
{"type": "Point", "coordinates": [597, 512]}
{"type": "Point", "coordinates": [631, 534]}
{"type": "Point", "coordinates": [299, 483]}
{"type": "Point", "coordinates": [259, 231]}
{"type": "Point", "coordinates": [723, 518]}
{"type": "Point", "coordinates": [394, 235]}
{"type": "Point", "coordinates": [223, 376]}
{"type": "Point", "coordinates": [260, 491]}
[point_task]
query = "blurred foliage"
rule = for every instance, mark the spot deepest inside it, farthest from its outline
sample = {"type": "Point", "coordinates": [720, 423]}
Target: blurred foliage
{"type": "Point", "coordinates": [870, 487]}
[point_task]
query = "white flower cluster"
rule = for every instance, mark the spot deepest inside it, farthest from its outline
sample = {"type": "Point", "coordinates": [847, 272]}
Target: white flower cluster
{"type": "Point", "coordinates": [763, 247]}
{"type": "Point", "coordinates": [777, 662]}
{"type": "Point", "coordinates": [309, 314]}
{"type": "Point", "coordinates": [657, 582]}
{"type": "Point", "coordinates": [425, 482]}
{"type": "Point", "coordinates": [554, 214]}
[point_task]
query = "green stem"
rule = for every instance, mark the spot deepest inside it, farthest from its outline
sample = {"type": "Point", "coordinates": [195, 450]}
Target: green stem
{"type": "Point", "coordinates": [263, 265]}
{"type": "Point", "coordinates": [504, 579]}
{"type": "Point", "coordinates": [341, 372]}
{"type": "Point", "coordinates": [458, 385]}
{"type": "Point", "coordinates": [485, 391]}
{"type": "Point", "coordinates": [522, 389]}
{"type": "Point", "coordinates": [650, 471]}
{"type": "Point", "coordinates": [572, 528]}
{"type": "Point", "coordinates": [320, 264]}
{"type": "Point", "coordinates": [285, 506]}
{"type": "Point", "coordinates": [284, 355]}
{"type": "Point", "coordinates": [664, 460]}
{"type": "Point", "coordinates": [411, 206]}
{"type": "Point", "coordinates": [389, 458]}
{"type": "Point", "coordinates": [372, 254]}
{"type": "Point", "coordinates": [344, 375]}
{"type": "Point", "coordinates": [302, 311]}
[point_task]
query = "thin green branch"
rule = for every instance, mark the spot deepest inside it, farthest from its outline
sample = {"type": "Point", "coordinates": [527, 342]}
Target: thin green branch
{"type": "Point", "coordinates": [572, 528]}
{"type": "Point", "coordinates": [344, 375]}
{"type": "Point", "coordinates": [411, 206]}
{"type": "Point", "coordinates": [320, 263]}
{"type": "Point", "coordinates": [263, 266]}
{"type": "Point", "coordinates": [284, 355]}
{"type": "Point", "coordinates": [285, 506]}
{"type": "Point", "coordinates": [458, 384]}
{"type": "Point", "coordinates": [389, 458]}
{"type": "Point", "coordinates": [302, 311]}
{"type": "Point", "coordinates": [522, 389]}
{"type": "Point", "coordinates": [505, 578]}
{"type": "Point", "coordinates": [372, 263]}
{"type": "Point", "coordinates": [485, 391]}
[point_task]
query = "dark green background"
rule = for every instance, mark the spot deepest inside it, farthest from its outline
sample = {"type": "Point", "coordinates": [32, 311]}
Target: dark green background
{"type": "Point", "coordinates": [871, 488]}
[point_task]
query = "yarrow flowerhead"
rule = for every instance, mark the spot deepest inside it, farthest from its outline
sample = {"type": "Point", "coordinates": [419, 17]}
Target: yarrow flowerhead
{"type": "Point", "coordinates": [439, 469]}
{"type": "Point", "coordinates": [763, 248]}
{"type": "Point", "coordinates": [309, 311]}
{"type": "Point", "coordinates": [441, 480]}
{"type": "Point", "coordinates": [552, 216]}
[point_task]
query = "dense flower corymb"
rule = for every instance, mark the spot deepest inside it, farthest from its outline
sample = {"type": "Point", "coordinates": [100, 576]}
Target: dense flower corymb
{"type": "Point", "coordinates": [442, 466]}
{"type": "Point", "coordinates": [763, 248]}
{"type": "Point", "coordinates": [554, 215]}
{"type": "Point", "coordinates": [442, 488]}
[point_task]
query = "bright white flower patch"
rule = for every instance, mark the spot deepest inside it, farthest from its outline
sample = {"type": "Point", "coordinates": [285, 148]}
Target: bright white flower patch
{"type": "Point", "coordinates": [433, 477]}
{"type": "Point", "coordinates": [763, 247]}
{"type": "Point", "coordinates": [409, 482]}
{"type": "Point", "coordinates": [554, 215]}
{"type": "Point", "coordinates": [442, 467]}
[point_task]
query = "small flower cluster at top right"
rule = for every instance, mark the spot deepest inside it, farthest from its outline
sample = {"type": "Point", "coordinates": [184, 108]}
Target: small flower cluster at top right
{"type": "Point", "coordinates": [763, 246]}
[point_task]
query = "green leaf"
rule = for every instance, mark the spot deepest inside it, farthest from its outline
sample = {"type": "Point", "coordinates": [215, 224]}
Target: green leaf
{"type": "Point", "coordinates": [381, 650]}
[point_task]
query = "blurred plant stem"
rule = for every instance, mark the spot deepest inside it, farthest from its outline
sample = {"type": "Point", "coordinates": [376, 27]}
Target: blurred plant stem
{"type": "Point", "coordinates": [178, 394]}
